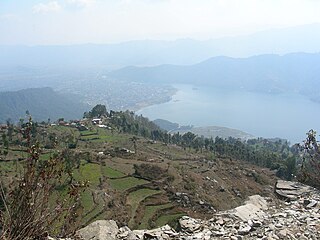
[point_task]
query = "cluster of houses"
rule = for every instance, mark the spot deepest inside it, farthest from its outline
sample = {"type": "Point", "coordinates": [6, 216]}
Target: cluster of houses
{"type": "Point", "coordinates": [82, 124]}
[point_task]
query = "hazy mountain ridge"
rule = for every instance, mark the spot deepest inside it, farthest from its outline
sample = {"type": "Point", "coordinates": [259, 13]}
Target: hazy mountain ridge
{"type": "Point", "coordinates": [296, 72]}
{"type": "Point", "coordinates": [42, 103]}
{"type": "Point", "coordinates": [303, 38]}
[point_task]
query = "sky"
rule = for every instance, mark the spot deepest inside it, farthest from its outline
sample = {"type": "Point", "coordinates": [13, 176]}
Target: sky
{"type": "Point", "coordinates": [64, 22]}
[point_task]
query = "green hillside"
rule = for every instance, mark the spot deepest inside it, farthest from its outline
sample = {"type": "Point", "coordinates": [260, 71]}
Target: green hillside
{"type": "Point", "coordinates": [142, 176]}
{"type": "Point", "coordinates": [42, 103]}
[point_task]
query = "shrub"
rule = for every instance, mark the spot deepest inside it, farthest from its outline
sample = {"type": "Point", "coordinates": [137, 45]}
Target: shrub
{"type": "Point", "coordinates": [149, 171]}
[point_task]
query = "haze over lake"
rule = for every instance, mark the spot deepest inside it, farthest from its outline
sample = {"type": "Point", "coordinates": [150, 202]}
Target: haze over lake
{"type": "Point", "coordinates": [287, 116]}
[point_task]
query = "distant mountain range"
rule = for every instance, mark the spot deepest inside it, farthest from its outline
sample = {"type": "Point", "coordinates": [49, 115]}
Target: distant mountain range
{"type": "Point", "coordinates": [42, 103]}
{"type": "Point", "coordinates": [304, 38]}
{"type": "Point", "coordinates": [296, 72]}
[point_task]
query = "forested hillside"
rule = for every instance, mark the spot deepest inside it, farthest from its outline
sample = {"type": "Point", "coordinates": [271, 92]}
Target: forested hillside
{"type": "Point", "coordinates": [42, 103]}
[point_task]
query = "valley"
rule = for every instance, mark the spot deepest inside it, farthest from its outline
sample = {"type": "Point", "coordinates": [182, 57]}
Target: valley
{"type": "Point", "coordinates": [159, 120]}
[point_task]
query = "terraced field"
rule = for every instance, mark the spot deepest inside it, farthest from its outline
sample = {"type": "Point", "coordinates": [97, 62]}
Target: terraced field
{"type": "Point", "coordinates": [123, 184]}
{"type": "Point", "coordinates": [112, 173]}
{"type": "Point", "coordinates": [100, 136]}
{"type": "Point", "coordinates": [118, 181]}
{"type": "Point", "coordinates": [150, 212]}
{"type": "Point", "coordinates": [135, 198]}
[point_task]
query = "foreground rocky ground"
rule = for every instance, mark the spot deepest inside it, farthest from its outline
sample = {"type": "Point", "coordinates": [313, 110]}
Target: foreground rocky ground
{"type": "Point", "coordinates": [295, 216]}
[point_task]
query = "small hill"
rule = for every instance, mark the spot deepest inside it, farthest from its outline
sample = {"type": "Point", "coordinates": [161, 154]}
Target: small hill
{"type": "Point", "coordinates": [207, 132]}
{"type": "Point", "coordinates": [215, 131]}
{"type": "Point", "coordinates": [166, 125]}
{"type": "Point", "coordinates": [42, 103]}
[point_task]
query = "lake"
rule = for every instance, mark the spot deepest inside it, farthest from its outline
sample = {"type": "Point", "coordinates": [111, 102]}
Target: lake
{"type": "Point", "coordinates": [287, 116]}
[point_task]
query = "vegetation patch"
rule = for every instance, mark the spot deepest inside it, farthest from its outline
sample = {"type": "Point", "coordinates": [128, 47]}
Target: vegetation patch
{"type": "Point", "coordinates": [90, 208]}
{"type": "Point", "coordinates": [149, 213]}
{"type": "Point", "coordinates": [7, 166]}
{"type": "Point", "coordinates": [123, 184]}
{"type": "Point", "coordinates": [168, 219]}
{"type": "Point", "coordinates": [45, 156]}
{"type": "Point", "coordinates": [100, 138]}
{"type": "Point", "coordinates": [88, 172]}
{"type": "Point", "coordinates": [112, 173]}
{"type": "Point", "coordinates": [88, 133]}
{"type": "Point", "coordinates": [134, 199]}
{"type": "Point", "coordinates": [149, 171]}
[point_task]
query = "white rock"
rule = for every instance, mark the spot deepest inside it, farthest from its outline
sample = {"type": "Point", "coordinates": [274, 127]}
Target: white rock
{"type": "Point", "coordinates": [244, 230]}
{"type": "Point", "coordinates": [99, 230]}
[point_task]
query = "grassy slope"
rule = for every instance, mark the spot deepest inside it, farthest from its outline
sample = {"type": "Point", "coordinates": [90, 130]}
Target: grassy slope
{"type": "Point", "coordinates": [187, 168]}
{"type": "Point", "coordinates": [135, 198]}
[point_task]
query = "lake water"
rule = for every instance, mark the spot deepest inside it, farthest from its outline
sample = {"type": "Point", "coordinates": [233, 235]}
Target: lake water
{"type": "Point", "coordinates": [287, 116]}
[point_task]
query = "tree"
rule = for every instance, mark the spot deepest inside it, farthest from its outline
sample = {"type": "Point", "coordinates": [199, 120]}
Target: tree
{"type": "Point", "coordinates": [5, 144]}
{"type": "Point", "coordinates": [97, 111]}
{"type": "Point", "coordinates": [310, 167]}
{"type": "Point", "coordinates": [10, 129]}
{"type": "Point", "coordinates": [134, 140]}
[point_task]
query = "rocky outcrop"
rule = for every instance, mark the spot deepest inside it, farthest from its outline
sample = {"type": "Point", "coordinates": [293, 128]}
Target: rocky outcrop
{"type": "Point", "coordinates": [289, 191]}
{"type": "Point", "coordinates": [258, 218]}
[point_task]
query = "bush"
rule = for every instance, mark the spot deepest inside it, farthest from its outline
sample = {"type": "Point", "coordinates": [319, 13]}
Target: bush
{"type": "Point", "coordinates": [149, 171]}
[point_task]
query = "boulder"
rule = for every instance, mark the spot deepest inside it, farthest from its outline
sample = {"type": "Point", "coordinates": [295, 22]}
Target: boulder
{"type": "Point", "coordinates": [99, 230]}
{"type": "Point", "coordinates": [252, 209]}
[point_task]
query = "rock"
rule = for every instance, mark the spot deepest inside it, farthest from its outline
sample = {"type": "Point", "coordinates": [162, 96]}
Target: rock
{"type": "Point", "coordinates": [236, 238]}
{"type": "Point", "coordinates": [124, 232]}
{"type": "Point", "coordinates": [312, 204]}
{"type": "Point", "coordinates": [253, 208]}
{"type": "Point", "coordinates": [150, 236]}
{"type": "Point", "coordinates": [290, 190]}
{"type": "Point", "coordinates": [256, 223]}
{"type": "Point", "coordinates": [244, 230]}
{"type": "Point", "coordinates": [218, 233]}
{"type": "Point", "coordinates": [99, 230]}
{"type": "Point", "coordinates": [220, 221]}
{"type": "Point", "coordinates": [283, 233]}
{"type": "Point", "coordinates": [188, 224]}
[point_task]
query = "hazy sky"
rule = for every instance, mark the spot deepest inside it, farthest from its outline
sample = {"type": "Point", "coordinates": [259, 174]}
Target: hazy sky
{"type": "Point", "coordinates": [35, 22]}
